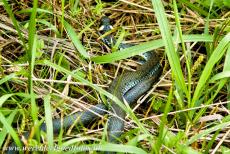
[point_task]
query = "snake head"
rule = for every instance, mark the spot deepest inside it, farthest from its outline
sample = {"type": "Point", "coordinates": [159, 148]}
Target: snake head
{"type": "Point", "coordinates": [105, 20]}
{"type": "Point", "coordinates": [105, 25]}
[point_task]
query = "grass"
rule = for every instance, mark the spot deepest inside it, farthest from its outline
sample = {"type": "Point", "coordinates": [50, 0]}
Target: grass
{"type": "Point", "coordinates": [53, 64]}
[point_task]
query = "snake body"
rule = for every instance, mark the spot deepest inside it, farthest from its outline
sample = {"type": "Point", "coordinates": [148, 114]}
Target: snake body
{"type": "Point", "coordinates": [129, 87]}
{"type": "Point", "coordinates": [130, 84]}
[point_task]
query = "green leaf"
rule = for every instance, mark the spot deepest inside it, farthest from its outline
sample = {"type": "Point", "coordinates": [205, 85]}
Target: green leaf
{"type": "Point", "coordinates": [77, 43]}
{"type": "Point", "coordinates": [39, 10]}
{"type": "Point", "coordinates": [147, 46]}
{"type": "Point", "coordinates": [225, 150]}
{"type": "Point", "coordinates": [182, 149]}
{"type": "Point", "coordinates": [207, 131]}
{"type": "Point", "coordinates": [4, 98]}
{"type": "Point", "coordinates": [172, 56]}
{"type": "Point", "coordinates": [4, 131]}
{"type": "Point", "coordinates": [194, 7]}
{"type": "Point", "coordinates": [49, 123]}
{"type": "Point", "coordinates": [221, 75]}
{"type": "Point", "coordinates": [10, 130]}
{"type": "Point", "coordinates": [214, 58]}
{"type": "Point", "coordinates": [76, 140]}
{"type": "Point", "coordinates": [227, 3]}
{"type": "Point", "coordinates": [7, 78]}
{"type": "Point", "coordinates": [48, 24]}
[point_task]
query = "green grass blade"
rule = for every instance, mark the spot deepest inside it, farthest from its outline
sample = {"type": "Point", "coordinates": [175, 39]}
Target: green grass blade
{"type": "Point", "coordinates": [49, 123]}
{"type": "Point", "coordinates": [31, 53]}
{"type": "Point", "coordinates": [212, 141]}
{"type": "Point", "coordinates": [4, 98]}
{"type": "Point", "coordinates": [144, 47]}
{"type": "Point", "coordinates": [222, 83]}
{"type": "Point", "coordinates": [135, 140]}
{"type": "Point", "coordinates": [187, 59]}
{"type": "Point", "coordinates": [77, 140]}
{"type": "Point", "coordinates": [227, 68]}
{"type": "Point", "coordinates": [4, 131]}
{"type": "Point", "coordinates": [62, 15]}
{"type": "Point", "coordinates": [48, 24]}
{"type": "Point", "coordinates": [206, 29]}
{"type": "Point", "coordinates": [194, 7]}
{"type": "Point", "coordinates": [215, 57]}
{"type": "Point", "coordinates": [227, 61]}
{"type": "Point", "coordinates": [207, 131]}
{"type": "Point", "coordinates": [34, 110]}
{"type": "Point", "coordinates": [163, 123]}
{"type": "Point", "coordinates": [9, 11]}
{"type": "Point", "coordinates": [172, 56]}
{"type": "Point", "coordinates": [32, 30]}
{"type": "Point", "coordinates": [7, 78]}
{"type": "Point", "coordinates": [39, 10]}
{"type": "Point", "coordinates": [12, 132]}
{"type": "Point", "coordinates": [74, 37]}
{"type": "Point", "coordinates": [119, 40]}
{"type": "Point", "coordinates": [221, 75]}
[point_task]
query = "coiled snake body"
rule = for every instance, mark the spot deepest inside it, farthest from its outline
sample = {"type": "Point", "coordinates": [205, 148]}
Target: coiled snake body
{"type": "Point", "coordinates": [128, 86]}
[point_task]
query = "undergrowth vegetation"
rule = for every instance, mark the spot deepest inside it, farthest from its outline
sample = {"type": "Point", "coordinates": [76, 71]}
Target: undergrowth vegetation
{"type": "Point", "coordinates": [53, 63]}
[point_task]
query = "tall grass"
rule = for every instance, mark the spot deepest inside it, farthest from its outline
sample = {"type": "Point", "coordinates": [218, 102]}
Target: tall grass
{"type": "Point", "coordinates": [67, 69]}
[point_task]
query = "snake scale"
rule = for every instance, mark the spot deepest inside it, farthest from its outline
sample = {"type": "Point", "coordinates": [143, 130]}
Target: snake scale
{"type": "Point", "coordinates": [129, 86]}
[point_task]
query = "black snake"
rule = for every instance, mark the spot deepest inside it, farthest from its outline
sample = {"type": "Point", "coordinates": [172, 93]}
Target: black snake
{"type": "Point", "coordinates": [129, 86]}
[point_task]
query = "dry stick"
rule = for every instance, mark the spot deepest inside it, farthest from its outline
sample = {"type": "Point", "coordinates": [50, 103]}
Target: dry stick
{"type": "Point", "coordinates": [168, 149]}
{"type": "Point", "coordinates": [185, 110]}
{"type": "Point", "coordinates": [56, 81]}
{"type": "Point", "coordinates": [140, 6]}
{"type": "Point", "coordinates": [221, 141]}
